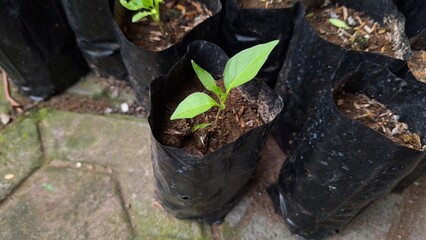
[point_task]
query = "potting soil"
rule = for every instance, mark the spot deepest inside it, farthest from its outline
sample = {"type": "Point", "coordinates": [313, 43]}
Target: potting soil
{"type": "Point", "coordinates": [177, 18]}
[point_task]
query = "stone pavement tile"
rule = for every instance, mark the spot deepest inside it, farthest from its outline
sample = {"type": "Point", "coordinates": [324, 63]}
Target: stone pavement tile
{"type": "Point", "coordinates": [124, 146]}
{"type": "Point", "coordinates": [412, 223]}
{"type": "Point", "coordinates": [61, 203]}
{"type": "Point", "coordinates": [20, 154]}
{"type": "Point", "coordinates": [107, 141]}
{"type": "Point", "coordinates": [374, 222]}
{"type": "Point", "coordinates": [254, 217]}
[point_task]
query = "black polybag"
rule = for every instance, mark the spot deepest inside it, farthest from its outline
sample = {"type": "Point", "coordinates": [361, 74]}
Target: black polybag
{"type": "Point", "coordinates": [342, 165]}
{"type": "Point", "coordinates": [37, 48]}
{"type": "Point", "coordinates": [93, 25]}
{"type": "Point", "coordinates": [420, 96]}
{"type": "Point", "coordinates": [244, 28]}
{"type": "Point", "coordinates": [206, 187]}
{"type": "Point", "coordinates": [144, 66]}
{"type": "Point", "coordinates": [414, 12]}
{"type": "Point", "coordinates": [312, 63]}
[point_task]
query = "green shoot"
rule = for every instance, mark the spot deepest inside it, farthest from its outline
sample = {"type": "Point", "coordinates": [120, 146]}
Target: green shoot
{"type": "Point", "coordinates": [145, 8]}
{"type": "Point", "coordinates": [240, 69]}
{"type": "Point", "coordinates": [338, 23]}
{"type": "Point", "coordinates": [199, 126]}
{"type": "Point", "coordinates": [308, 15]}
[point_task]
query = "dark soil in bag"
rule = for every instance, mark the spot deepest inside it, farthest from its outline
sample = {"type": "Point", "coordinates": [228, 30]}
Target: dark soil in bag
{"type": "Point", "coordinates": [246, 25]}
{"type": "Point", "coordinates": [38, 50]}
{"type": "Point", "coordinates": [145, 65]}
{"type": "Point", "coordinates": [414, 12]}
{"type": "Point", "coordinates": [320, 52]}
{"type": "Point", "coordinates": [93, 25]}
{"type": "Point", "coordinates": [205, 182]}
{"type": "Point", "coordinates": [353, 150]}
{"type": "Point", "coordinates": [178, 18]}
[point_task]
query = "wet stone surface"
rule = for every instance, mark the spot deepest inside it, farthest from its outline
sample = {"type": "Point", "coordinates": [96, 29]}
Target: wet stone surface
{"type": "Point", "coordinates": [20, 154]}
{"type": "Point", "coordinates": [91, 177]}
{"type": "Point", "coordinates": [61, 203]}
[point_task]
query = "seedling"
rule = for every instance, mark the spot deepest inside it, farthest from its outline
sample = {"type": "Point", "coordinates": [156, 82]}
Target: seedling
{"type": "Point", "coordinates": [338, 23]}
{"type": "Point", "coordinates": [240, 69]}
{"type": "Point", "coordinates": [145, 8]}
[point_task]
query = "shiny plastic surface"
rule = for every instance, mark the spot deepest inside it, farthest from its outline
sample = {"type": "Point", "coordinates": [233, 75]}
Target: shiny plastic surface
{"type": "Point", "coordinates": [93, 25]}
{"type": "Point", "coordinates": [37, 47]}
{"type": "Point", "coordinates": [312, 63]}
{"type": "Point", "coordinates": [342, 165]}
{"type": "Point", "coordinates": [244, 28]}
{"type": "Point", "coordinates": [144, 66]}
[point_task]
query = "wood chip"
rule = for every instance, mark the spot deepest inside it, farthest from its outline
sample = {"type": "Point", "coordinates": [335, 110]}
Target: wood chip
{"type": "Point", "coordinates": [242, 123]}
{"type": "Point", "coordinates": [4, 118]}
{"type": "Point", "coordinates": [197, 7]}
{"type": "Point", "coordinates": [241, 111]}
{"type": "Point", "coordinates": [345, 13]}
{"type": "Point", "coordinates": [9, 176]}
{"type": "Point", "coordinates": [181, 8]}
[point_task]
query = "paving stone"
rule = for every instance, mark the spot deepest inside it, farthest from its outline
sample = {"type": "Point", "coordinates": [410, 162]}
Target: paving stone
{"type": "Point", "coordinates": [124, 146]}
{"type": "Point", "coordinates": [411, 224]}
{"type": "Point", "coordinates": [107, 141]}
{"type": "Point", "coordinates": [60, 203]}
{"type": "Point", "coordinates": [374, 222]}
{"type": "Point", "coordinates": [89, 85]}
{"type": "Point", "coordinates": [254, 217]}
{"type": "Point", "coordinates": [96, 87]}
{"type": "Point", "coordinates": [20, 154]}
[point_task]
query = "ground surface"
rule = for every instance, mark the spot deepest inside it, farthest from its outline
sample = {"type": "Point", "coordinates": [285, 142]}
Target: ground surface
{"type": "Point", "coordinates": [70, 175]}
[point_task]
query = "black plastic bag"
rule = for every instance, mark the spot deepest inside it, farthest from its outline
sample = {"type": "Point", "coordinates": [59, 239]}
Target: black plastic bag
{"type": "Point", "coordinates": [342, 165]}
{"type": "Point", "coordinates": [93, 25]}
{"type": "Point", "coordinates": [420, 96]}
{"type": "Point", "coordinates": [37, 47]}
{"type": "Point", "coordinates": [244, 28]}
{"type": "Point", "coordinates": [144, 66]}
{"type": "Point", "coordinates": [312, 63]}
{"type": "Point", "coordinates": [414, 12]}
{"type": "Point", "coordinates": [207, 187]}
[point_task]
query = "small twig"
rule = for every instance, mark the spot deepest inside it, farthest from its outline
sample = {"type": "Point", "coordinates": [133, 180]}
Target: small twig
{"type": "Point", "coordinates": [9, 98]}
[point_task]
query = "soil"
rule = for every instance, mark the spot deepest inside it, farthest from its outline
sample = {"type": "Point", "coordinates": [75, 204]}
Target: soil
{"type": "Point", "coordinates": [76, 103]}
{"type": "Point", "coordinates": [177, 16]}
{"type": "Point", "coordinates": [417, 65]}
{"type": "Point", "coordinates": [265, 4]}
{"type": "Point", "coordinates": [364, 34]}
{"type": "Point", "coordinates": [239, 117]}
{"type": "Point", "coordinates": [376, 116]}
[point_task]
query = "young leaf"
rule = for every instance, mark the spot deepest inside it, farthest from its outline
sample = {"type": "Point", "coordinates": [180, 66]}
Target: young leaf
{"type": "Point", "coordinates": [138, 16]}
{"type": "Point", "coordinates": [133, 5]}
{"type": "Point", "coordinates": [206, 79]}
{"type": "Point", "coordinates": [338, 23]}
{"type": "Point", "coordinates": [245, 65]}
{"type": "Point", "coordinates": [193, 105]}
{"type": "Point", "coordinates": [199, 126]}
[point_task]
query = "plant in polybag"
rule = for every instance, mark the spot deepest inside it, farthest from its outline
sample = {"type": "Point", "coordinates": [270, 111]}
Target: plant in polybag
{"type": "Point", "coordinates": [145, 8]}
{"type": "Point", "coordinates": [240, 69]}
{"type": "Point", "coordinates": [199, 175]}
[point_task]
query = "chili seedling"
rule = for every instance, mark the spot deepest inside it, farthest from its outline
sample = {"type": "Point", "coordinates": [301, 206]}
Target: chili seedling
{"type": "Point", "coordinates": [145, 8]}
{"type": "Point", "coordinates": [240, 69]}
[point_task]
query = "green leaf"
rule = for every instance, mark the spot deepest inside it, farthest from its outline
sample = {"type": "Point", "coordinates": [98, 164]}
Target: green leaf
{"type": "Point", "coordinates": [193, 105]}
{"type": "Point", "coordinates": [338, 23]}
{"type": "Point", "coordinates": [138, 16]}
{"type": "Point", "coordinates": [207, 80]}
{"type": "Point", "coordinates": [308, 15]}
{"type": "Point", "coordinates": [199, 126]}
{"type": "Point", "coordinates": [245, 65]}
{"type": "Point", "coordinates": [133, 5]}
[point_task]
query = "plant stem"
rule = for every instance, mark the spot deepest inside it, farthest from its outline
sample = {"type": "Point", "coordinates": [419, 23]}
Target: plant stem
{"type": "Point", "coordinates": [217, 116]}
